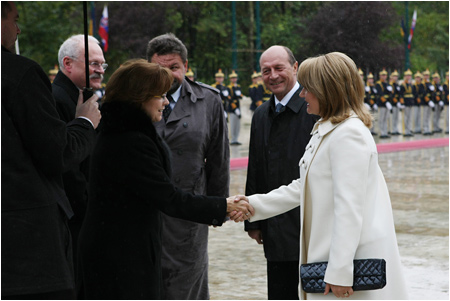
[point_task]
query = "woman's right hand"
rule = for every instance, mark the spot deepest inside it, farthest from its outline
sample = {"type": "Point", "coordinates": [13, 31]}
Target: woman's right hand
{"type": "Point", "coordinates": [339, 291]}
{"type": "Point", "coordinates": [239, 209]}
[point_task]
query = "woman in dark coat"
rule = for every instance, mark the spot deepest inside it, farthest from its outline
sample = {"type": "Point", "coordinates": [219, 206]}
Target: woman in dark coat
{"type": "Point", "coordinates": [120, 241]}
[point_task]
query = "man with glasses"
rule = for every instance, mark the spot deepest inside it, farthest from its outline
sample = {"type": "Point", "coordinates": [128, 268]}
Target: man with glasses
{"type": "Point", "coordinates": [70, 79]}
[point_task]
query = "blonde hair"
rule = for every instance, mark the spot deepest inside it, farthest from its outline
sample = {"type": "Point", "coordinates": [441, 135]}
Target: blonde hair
{"type": "Point", "coordinates": [335, 81]}
{"type": "Point", "coordinates": [136, 81]}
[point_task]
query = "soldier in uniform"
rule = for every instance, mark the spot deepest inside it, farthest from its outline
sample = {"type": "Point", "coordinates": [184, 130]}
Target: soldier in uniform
{"type": "Point", "coordinates": [224, 91]}
{"type": "Point", "coordinates": [445, 86]}
{"type": "Point", "coordinates": [256, 92]}
{"type": "Point", "coordinates": [419, 90]}
{"type": "Point", "coordinates": [439, 102]}
{"type": "Point", "coordinates": [234, 108]}
{"type": "Point", "coordinates": [384, 103]}
{"type": "Point", "coordinates": [407, 98]}
{"type": "Point", "coordinates": [372, 95]}
{"type": "Point", "coordinates": [190, 74]}
{"type": "Point", "coordinates": [397, 103]}
{"type": "Point", "coordinates": [429, 104]}
{"type": "Point", "coordinates": [266, 92]}
{"type": "Point", "coordinates": [52, 73]}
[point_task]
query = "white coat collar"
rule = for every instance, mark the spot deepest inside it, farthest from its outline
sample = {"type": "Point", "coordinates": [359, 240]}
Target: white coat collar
{"type": "Point", "coordinates": [324, 127]}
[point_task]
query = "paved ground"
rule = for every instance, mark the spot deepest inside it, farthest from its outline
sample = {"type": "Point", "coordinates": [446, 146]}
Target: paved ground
{"type": "Point", "coordinates": [418, 182]}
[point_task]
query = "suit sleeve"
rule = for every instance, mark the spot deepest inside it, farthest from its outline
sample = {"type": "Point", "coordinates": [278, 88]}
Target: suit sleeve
{"type": "Point", "coordinates": [350, 161]}
{"type": "Point", "coordinates": [250, 187]}
{"type": "Point", "coordinates": [50, 142]}
{"type": "Point", "coordinates": [218, 153]}
{"type": "Point", "coordinates": [152, 184]}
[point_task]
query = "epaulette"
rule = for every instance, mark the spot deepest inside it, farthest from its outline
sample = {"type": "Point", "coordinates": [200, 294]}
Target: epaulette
{"type": "Point", "coordinates": [207, 87]}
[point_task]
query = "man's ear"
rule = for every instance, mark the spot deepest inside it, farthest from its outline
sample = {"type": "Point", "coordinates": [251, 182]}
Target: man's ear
{"type": "Point", "coordinates": [68, 63]}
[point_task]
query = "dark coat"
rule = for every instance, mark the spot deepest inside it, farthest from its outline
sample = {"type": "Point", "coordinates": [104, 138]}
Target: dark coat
{"type": "Point", "coordinates": [75, 180]}
{"type": "Point", "coordinates": [36, 147]}
{"type": "Point", "coordinates": [277, 143]}
{"type": "Point", "coordinates": [196, 132]}
{"type": "Point", "coordinates": [120, 241]}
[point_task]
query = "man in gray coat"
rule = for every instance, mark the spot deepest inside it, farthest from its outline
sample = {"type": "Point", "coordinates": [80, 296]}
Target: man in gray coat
{"type": "Point", "coordinates": [195, 128]}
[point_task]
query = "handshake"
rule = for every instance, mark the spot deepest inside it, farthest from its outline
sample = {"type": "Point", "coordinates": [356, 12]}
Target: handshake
{"type": "Point", "coordinates": [239, 209]}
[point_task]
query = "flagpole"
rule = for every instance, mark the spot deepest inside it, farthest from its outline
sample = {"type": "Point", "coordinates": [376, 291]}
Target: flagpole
{"type": "Point", "coordinates": [407, 64]}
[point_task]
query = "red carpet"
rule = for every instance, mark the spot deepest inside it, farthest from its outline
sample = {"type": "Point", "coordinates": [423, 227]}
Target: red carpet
{"type": "Point", "coordinates": [241, 163]}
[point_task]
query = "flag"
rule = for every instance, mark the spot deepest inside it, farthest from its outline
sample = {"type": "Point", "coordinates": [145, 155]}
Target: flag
{"type": "Point", "coordinates": [413, 25]}
{"type": "Point", "coordinates": [402, 28]}
{"type": "Point", "coordinates": [104, 28]}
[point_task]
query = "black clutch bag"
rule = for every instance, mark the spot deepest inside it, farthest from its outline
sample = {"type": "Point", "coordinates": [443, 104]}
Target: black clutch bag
{"type": "Point", "coordinates": [369, 274]}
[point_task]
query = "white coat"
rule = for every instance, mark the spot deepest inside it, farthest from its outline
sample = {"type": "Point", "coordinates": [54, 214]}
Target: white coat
{"type": "Point", "coordinates": [346, 211]}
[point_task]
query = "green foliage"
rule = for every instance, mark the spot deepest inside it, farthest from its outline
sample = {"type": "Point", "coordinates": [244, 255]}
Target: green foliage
{"type": "Point", "coordinates": [206, 29]}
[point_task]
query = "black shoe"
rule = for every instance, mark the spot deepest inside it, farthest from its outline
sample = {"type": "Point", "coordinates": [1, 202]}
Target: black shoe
{"type": "Point", "coordinates": [385, 136]}
{"type": "Point", "coordinates": [396, 134]}
{"type": "Point", "coordinates": [427, 134]}
{"type": "Point", "coordinates": [374, 134]}
{"type": "Point", "coordinates": [437, 131]}
{"type": "Point", "coordinates": [235, 143]}
{"type": "Point", "coordinates": [408, 135]}
{"type": "Point", "coordinates": [418, 132]}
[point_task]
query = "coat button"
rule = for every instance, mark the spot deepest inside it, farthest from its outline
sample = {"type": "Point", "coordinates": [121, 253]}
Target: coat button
{"type": "Point", "coordinates": [185, 125]}
{"type": "Point", "coordinates": [215, 222]}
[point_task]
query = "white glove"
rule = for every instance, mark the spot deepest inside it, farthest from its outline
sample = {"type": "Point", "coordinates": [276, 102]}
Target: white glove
{"type": "Point", "coordinates": [441, 103]}
{"type": "Point", "coordinates": [375, 107]}
{"type": "Point", "coordinates": [226, 115]}
{"type": "Point", "coordinates": [388, 105]}
{"type": "Point", "coordinates": [367, 106]}
{"type": "Point", "coordinates": [399, 105]}
{"type": "Point", "coordinates": [237, 112]}
{"type": "Point", "coordinates": [431, 104]}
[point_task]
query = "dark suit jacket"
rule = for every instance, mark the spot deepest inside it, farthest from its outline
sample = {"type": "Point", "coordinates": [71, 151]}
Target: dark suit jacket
{"type": "Point", "coordinates": [130, 184]}
{"type": "Point", "coordinates": [36, 145]}
{"type": "Point", "coordinates": [75, 179]}
{"type": "Point", "coordinates": [277, 143]}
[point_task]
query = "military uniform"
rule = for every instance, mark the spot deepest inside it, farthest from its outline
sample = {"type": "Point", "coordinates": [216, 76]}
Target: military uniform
{"type": "Point", "coordinates": [429, 104]}
{"type": "Point", "coordinates": [407, 98]}
{"type": "Point", "coordinates": [370, 98]}
{"type": "Point", "coordinates": [256, 92]}
{"type": "Point", "coordinates": [419, 91]}
{"type": "Point", "coordinates": [397, 103]}
{"type": "Point", "coordinates": [384, 104]}
{"type": "Point", "coordinates": [445, 97]}
{"type": "Point", "coordinates": [234, 110]}
{"type": "Point", "coordinates": [224, 91]}
{"type": "Point", "coordinates": [439, 102]}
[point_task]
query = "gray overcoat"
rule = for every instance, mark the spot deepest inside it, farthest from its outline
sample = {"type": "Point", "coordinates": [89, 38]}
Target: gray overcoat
{"type": "Point", "coordinates": [196, 132]}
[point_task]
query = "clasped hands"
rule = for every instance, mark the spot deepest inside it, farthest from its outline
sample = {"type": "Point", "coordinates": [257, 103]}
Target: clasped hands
{"type": "Point", "coordinates": [239, 209]}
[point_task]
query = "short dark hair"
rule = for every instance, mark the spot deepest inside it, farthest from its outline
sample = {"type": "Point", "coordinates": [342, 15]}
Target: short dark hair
{"type": "Point", "coordinates": [6, 8]}
{"type": "Point", "coordinates": [166, 44]}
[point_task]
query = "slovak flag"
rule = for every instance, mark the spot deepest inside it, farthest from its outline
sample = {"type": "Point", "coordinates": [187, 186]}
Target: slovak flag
{"type": "Point", "coordinates": [413, 26]}
{"type": "Point", "coordinates": [104, 28]}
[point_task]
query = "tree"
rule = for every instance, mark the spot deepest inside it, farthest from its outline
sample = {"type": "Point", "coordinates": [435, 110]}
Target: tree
{"type": "Point", "coordinates": [354, 28]}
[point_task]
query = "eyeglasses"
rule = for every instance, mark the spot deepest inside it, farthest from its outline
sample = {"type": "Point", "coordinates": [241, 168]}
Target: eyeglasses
{"type": "Point", "coordinates": [97, 65]}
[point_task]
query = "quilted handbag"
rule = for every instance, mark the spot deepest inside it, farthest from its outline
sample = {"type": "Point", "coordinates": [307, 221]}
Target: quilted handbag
{"type": "Point", "coordinates": [369, 274]}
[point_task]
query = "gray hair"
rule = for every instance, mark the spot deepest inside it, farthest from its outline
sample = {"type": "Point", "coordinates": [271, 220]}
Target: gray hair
{"type": "Point", "coordinates": [166, 44]}
{"type": "Point", "coordinates": [73, 47]}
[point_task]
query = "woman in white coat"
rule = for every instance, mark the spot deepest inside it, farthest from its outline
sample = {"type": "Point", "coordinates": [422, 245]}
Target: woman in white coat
{"type": "Point", "coordinates": [346, 211]}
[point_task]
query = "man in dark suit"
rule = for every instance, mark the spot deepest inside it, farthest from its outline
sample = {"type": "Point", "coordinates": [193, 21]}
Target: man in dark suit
{"type": "Point", "coordinates": [36, 148]}
{"type": "Point", "coordinates": [280, 131]}
{"type": "Point", "coordinates": [66, 86]}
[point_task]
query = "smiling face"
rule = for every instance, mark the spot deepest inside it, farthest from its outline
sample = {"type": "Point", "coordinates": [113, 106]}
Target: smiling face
{"type": "Point", "coordinates": [312, 102]}
{"type": "Point", "coordinates": [173, 62]}
{"type": "Point", "coordinates": [278, 74]}
{"type": "Point", "coordinates": [154, 107]}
